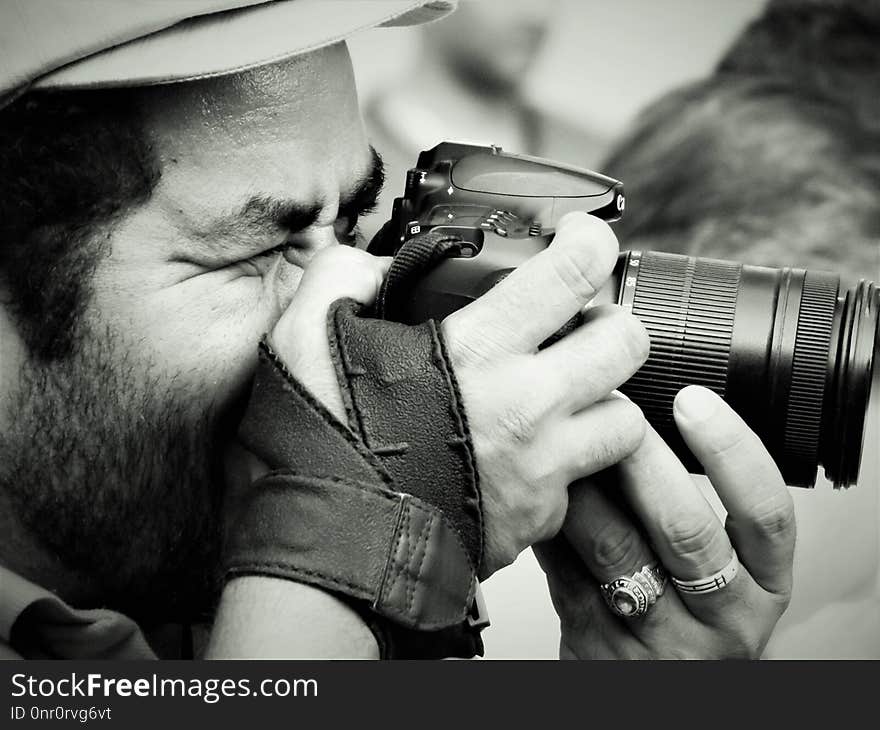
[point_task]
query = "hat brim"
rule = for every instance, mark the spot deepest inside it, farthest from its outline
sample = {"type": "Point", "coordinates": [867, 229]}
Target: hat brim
{"type": "Point", "coordinates": [237, 40]}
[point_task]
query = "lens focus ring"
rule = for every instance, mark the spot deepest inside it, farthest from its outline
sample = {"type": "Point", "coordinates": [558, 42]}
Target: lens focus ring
{"type": "Point", "coordinates": [688, 307]}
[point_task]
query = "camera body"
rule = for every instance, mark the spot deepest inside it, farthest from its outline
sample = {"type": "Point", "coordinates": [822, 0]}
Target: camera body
{"type": "Point", "coordinates": [503, 207]}
{"type": "Point", "coordinates": [785, 347]}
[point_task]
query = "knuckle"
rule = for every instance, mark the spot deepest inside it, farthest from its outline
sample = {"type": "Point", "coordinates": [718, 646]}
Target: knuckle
{"type": "Point", "coordinates": [690, 535]}
{"type": "Point", "coordinates": [477, 342]}
{"type": "Point", "coordinates": [599, 452]}
{"type": "Point", "coordinates": [623, 335]}
{"type": "Point", "coordinates": [499, 553]}
{"type": "Point", "coordinates": [542, 469]}
{"type": "Point", "coordinates": [780, 599]}
{"type": "Point", "coordinates": [629, 335]}
{"type": "Point", "coordinates": [615, 549]}
{"type": "Point", "coordinates": [747, 633]}
{"type": "Point", "coordinates": [517, 425]}
{"type": "Point", "coordinates": [635, 338]}
{"type": "Point", "coordinates": [624, 428]}
{"type": "Point", "coordinates": [577, 272]}
{"type": "Point", "coordinates": [557, 517]}
{"type": "Point", "coordinates": [462, 349]}
{"type": "Point", "coordinates": [547, 519]}
{"type": "Point", "coordinates": [633, 425]}
{"type": "Point", "coordinates": [599, 455]}
{"type": "Point", "coordinates": [532, 514]}
{"type": "Point", "coordinates": [774, 518]}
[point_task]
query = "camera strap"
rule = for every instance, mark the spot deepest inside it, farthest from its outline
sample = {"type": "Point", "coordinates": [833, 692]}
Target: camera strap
{"type": "Point", "coordinates": [384, 510]}
{"type": "Point", "coordinates": [415, 258]}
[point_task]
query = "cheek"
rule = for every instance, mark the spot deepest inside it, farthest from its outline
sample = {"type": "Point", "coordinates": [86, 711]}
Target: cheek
{"type": "Point", "coordinates": [199, 335]}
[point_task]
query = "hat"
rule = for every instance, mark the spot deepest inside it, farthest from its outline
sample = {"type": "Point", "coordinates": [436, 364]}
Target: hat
{"type": "Point", "coordinates": [101, 43]}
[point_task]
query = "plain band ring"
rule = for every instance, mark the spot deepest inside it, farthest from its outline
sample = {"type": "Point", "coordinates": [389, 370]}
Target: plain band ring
{"type": "Point", "coordinates": [711, 583]}
{"type": "Point", "coordinates": [631, 596]}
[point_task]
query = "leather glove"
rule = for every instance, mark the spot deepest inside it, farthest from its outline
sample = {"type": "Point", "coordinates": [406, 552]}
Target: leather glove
{"type": "Point", "coordinates": [383, 510]}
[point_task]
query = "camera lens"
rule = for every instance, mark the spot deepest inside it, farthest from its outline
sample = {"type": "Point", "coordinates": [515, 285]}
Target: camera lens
{"type": "Point", "coordinates": [790, 353]}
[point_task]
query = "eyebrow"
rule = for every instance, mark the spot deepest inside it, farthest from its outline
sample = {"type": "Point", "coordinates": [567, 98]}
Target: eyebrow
{"type": "Point", "coordinates": [262, 215]}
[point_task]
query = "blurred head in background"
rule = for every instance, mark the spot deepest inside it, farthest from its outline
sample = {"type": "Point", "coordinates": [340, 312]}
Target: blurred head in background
{"type": "Point", "coordinates": [466, 83]}
{"type": "Point", "coordinates": [489, 46]}
{"type": "Point", "coordinates": [775, 159]}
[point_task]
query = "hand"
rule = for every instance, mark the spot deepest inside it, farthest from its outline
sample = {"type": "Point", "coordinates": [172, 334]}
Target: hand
{"type": "Point", "coordinates": [539, 420]}
{"type": "Point", "coordinates": [668, 520]}
{"type": "Point", "coordinates": [271, 617]}
{"type": "Point", "coordinates": [300, 338]}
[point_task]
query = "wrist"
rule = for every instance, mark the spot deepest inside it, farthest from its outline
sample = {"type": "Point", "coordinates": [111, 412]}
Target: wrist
{"type": "Point", "coordinates": [273, 618]}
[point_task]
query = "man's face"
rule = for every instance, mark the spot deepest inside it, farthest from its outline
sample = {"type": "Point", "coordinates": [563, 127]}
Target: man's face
{"type": "Point", "coordinates": [112, 455]}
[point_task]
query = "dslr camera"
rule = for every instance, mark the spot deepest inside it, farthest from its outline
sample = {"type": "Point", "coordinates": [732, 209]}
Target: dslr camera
{"type": "Point", "coordinates": [789, 350]}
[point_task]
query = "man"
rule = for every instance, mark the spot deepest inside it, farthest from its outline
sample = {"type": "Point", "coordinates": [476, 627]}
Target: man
{"type": "Point", "coordinates": [152, 234]}
{"type": "Point", "coordinates": [774, 160]}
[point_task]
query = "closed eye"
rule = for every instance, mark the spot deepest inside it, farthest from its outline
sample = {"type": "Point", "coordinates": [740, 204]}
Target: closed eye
{"type": "Point", "coordinates": [281, 222]}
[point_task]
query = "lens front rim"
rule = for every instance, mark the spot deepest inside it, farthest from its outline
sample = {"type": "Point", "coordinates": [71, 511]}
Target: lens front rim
{"type": "Point", "coordinates": [860, 329]}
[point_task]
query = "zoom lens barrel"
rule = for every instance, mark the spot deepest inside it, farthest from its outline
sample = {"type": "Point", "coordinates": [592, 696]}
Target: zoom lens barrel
{"type": "Point", "coordinates": [791, 355]}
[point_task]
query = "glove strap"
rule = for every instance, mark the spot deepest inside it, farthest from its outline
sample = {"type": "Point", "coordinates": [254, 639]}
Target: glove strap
{"type": "Point", "coordinates": [396, 557]}
{"type": "Point", "coordinates": [391, 550]}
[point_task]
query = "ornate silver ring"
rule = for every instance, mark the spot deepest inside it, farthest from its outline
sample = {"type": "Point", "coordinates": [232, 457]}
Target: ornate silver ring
{"type": "Point", "coordinates": [633, 595]}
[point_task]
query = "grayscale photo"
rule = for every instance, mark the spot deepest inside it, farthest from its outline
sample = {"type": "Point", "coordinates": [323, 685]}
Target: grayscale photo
{"type": "Point", "coordinates": [435, 329]}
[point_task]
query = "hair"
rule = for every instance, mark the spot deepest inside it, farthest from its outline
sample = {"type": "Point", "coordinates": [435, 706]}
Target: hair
{"type": "Point", "coordinates": [775, 159]}
{"type": "Point", "coordinates": [71, 162]}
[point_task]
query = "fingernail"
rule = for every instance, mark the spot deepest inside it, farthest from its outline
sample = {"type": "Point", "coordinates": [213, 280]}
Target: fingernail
{"type": "Point", "coordinates": [696, 403]}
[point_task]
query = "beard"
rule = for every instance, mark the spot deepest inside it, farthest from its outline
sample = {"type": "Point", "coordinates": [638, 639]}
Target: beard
{"type": "Point", "coordinates": [111, 469]}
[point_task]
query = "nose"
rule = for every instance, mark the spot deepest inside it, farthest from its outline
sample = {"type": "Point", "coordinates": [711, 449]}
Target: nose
{"type": "Point", "coordinates": [296, 259]}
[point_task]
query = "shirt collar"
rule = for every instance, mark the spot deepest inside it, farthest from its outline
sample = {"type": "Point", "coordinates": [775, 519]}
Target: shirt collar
{"type": "Point", "coordinates": [16, 594]}
{"type": "Point", "coordinates": [48, 628]}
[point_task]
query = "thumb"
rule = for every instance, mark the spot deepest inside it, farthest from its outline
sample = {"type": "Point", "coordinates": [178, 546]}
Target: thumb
{"type": "Point", "coordinates": [300, 336]}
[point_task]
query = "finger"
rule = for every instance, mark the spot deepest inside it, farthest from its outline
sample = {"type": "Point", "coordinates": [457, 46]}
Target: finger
{"type": "Point", "coordinates": [604, 537]}
{"type": "Point", "coordinates": [561, 450]}
{"type": "Point", "coordinates": [589, 629]}
{"type": "Point", "coordinates": [300, 336]}
{"type": "Point", "coordinates": [600, 355]}
{"type": "Point", "coordinates": [680, 524]}
{"type": "Point", "coordinates": [760, 509]}
{"type": "Point", "coordinates": [557, 556]}
{"type": "Point", "coordinates": [540, 296]}
{"type": "Point", "coordinates": [597, 437]}
{"type": "Point", "coordinates": [611, 545]}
